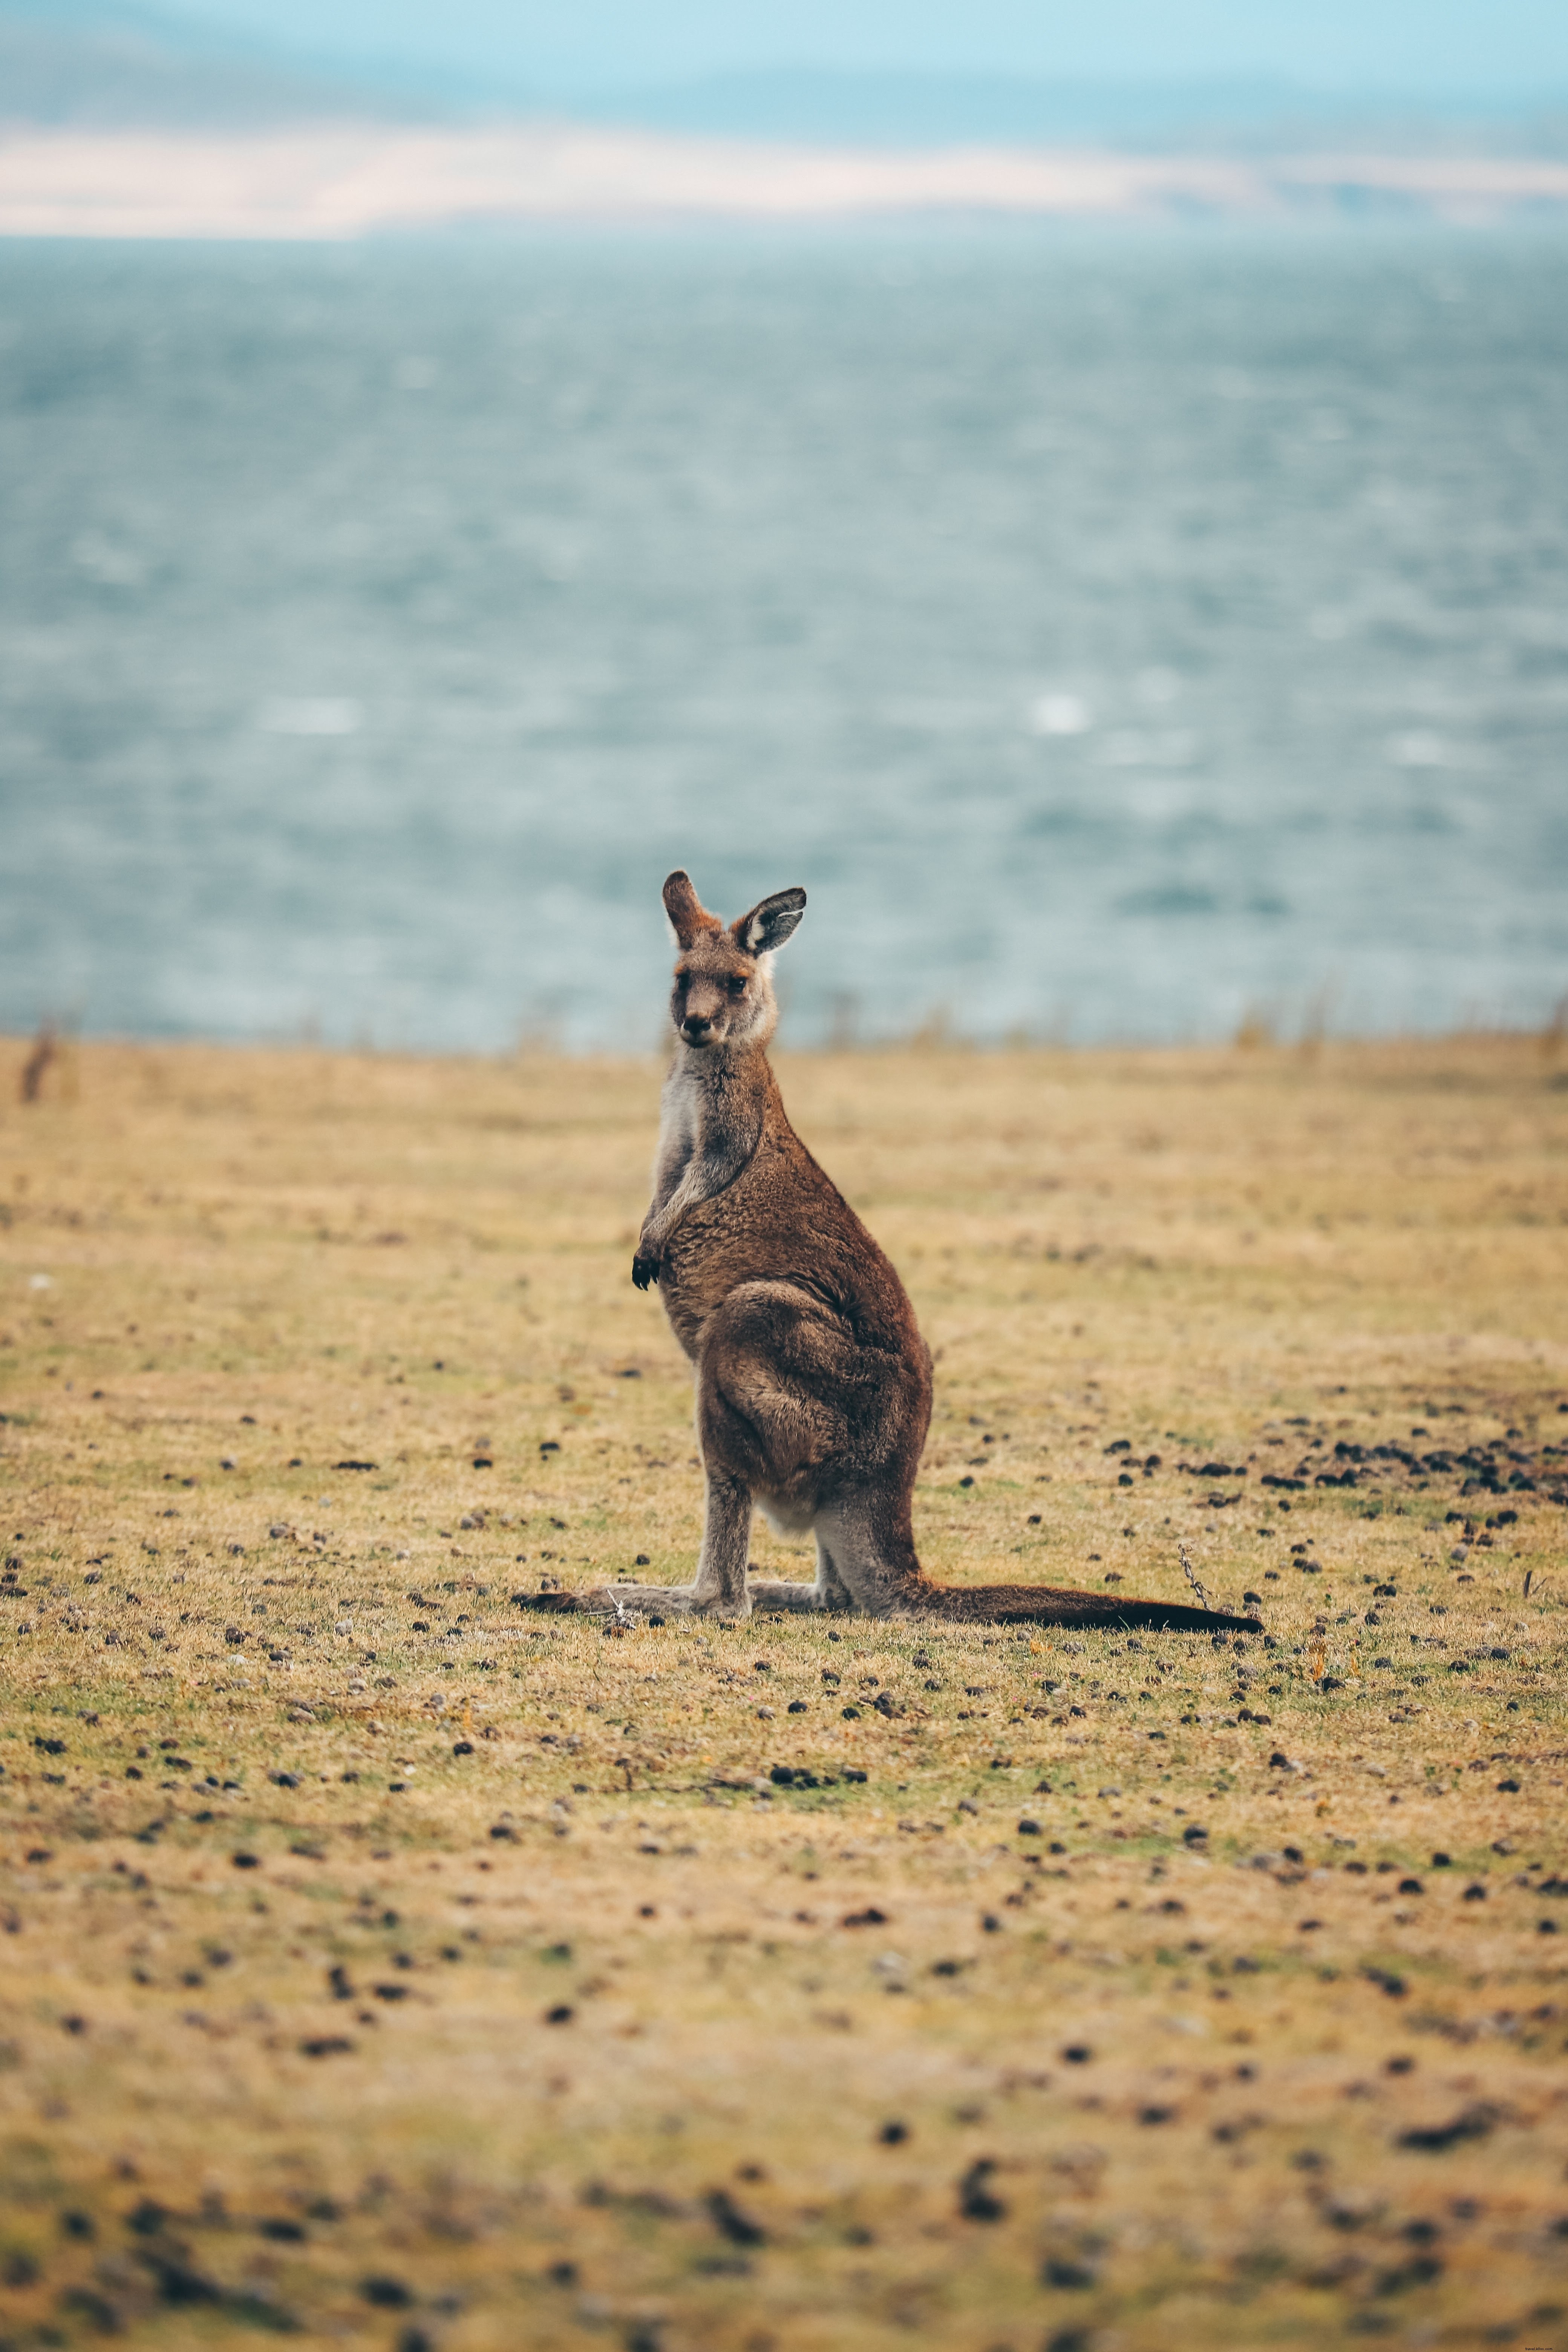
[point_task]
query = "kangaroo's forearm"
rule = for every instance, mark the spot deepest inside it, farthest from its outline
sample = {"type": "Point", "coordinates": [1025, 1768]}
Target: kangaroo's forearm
{"type": "Point", "coordinates": [663, 1216]}
{"type": "Point", "coordinates": [704, 1177]}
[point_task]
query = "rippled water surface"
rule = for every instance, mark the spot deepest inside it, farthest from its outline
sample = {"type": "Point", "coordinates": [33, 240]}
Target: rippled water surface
{"type": "Point", "coordinates": [1114, 633]}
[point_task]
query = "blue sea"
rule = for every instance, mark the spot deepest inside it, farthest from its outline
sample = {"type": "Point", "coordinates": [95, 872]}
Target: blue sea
{"type": "Point", "coordinates": [1120, 633]}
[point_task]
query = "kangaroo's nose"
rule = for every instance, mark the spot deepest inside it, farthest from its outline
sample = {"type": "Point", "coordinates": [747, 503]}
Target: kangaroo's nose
{"type": "Point", "coordinates": [696, 1026]}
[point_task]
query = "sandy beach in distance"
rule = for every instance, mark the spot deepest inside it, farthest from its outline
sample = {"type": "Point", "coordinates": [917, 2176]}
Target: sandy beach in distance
{"type": "Point", "coordinates": [352, 178]}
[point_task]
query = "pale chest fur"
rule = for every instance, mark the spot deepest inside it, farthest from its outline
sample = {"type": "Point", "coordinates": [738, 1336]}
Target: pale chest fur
{"type": "Point", "coordinates": [680, 1127]}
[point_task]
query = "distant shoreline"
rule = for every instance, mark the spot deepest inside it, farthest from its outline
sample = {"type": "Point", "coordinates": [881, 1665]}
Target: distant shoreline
{"type": "Point", "coordinates": [1254, 1046]}
{"type": "Point", "coordinates": [328, 182]}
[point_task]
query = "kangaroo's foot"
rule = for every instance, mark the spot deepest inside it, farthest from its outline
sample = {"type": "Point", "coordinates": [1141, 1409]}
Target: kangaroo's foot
{"type": "Point", "coordinates": [671, 1600]}
{"type": "Point", "coordinates": [783, 1593]}
{"type": "Point", "coordinates": [642, 1600]}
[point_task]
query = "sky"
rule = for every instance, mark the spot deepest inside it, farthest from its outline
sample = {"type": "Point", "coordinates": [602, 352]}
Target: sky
{"type": "Point", "coordinates": [1478, 48]}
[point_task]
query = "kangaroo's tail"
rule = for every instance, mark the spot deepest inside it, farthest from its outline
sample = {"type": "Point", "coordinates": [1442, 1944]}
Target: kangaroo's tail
{"type": "Point", "coordinates": [1047, 1604]}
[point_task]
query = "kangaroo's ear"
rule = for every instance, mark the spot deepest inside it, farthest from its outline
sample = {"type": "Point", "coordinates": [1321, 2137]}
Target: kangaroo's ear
{"type": "Point", "coordinates": [686, 910]}
{"type": "Point", "coordinates": [770, 922]}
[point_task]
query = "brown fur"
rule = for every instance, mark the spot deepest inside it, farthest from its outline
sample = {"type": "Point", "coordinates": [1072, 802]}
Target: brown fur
{"type": "Point", "coordinates": [814, 1385]}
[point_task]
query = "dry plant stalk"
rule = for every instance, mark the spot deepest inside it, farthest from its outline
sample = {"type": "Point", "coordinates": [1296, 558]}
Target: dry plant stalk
{"type": "Point", "coordinates": [45, 1051]}
{"type": "Point", "coordinates": [1191, 1574]}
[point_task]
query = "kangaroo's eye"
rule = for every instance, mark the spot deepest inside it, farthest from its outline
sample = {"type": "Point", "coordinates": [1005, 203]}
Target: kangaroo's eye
{"type": "Point", "coordinates": [737, 986]}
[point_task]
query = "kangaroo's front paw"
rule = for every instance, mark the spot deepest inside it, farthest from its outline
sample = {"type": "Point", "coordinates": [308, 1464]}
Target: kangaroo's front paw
{"type": "Point", "coordinates": [644, 1269]}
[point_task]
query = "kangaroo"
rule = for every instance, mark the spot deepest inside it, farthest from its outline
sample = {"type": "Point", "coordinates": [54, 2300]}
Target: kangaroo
{"type": "Point", "coordinates": [814, 1385]}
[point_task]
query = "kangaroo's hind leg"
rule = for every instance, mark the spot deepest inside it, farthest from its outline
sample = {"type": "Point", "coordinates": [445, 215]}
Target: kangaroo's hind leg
{"type": "Point", "coordinates": [764, 1427]}
{"type": "Point", "coordinates": [719, 1590]}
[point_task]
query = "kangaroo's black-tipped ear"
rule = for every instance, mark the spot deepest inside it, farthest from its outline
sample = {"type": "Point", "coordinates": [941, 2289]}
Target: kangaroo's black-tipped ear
{"type": "Point", "coordinates": [686, 910]}
{"type": "Point", "coordinates": [770, 923]}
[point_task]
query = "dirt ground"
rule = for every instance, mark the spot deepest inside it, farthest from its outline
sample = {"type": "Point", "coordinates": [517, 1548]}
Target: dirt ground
{"type": "Point", "coordinates": [389, 1967]}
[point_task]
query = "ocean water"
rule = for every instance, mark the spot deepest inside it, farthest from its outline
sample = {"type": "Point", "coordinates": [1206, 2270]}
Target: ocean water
{"type": "Point", "coordinates": [1119, 632]}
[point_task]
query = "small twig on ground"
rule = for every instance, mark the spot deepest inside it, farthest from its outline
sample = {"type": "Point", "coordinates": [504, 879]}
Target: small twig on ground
{"type": "Point", "coordinates": [1187, 1571]}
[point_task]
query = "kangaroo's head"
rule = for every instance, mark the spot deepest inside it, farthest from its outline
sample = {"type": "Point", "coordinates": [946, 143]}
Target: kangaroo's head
{"type": "Point", "coordinates": [724, 993]}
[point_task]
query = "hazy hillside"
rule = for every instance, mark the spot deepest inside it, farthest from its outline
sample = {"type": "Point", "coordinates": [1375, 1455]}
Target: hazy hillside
{"type": "Point", "coordinates": [1248, 116]}
{"type": "Point", "coordinates": [87, 63]}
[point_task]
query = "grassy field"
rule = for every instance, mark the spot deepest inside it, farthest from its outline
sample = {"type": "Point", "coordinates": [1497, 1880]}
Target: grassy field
{"type": "Point", "coordinates": [389, 1967]}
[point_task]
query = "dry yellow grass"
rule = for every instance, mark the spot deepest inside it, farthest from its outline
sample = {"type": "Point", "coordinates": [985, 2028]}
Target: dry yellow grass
{"type": "Point", "coordinates": [406, 1971]}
